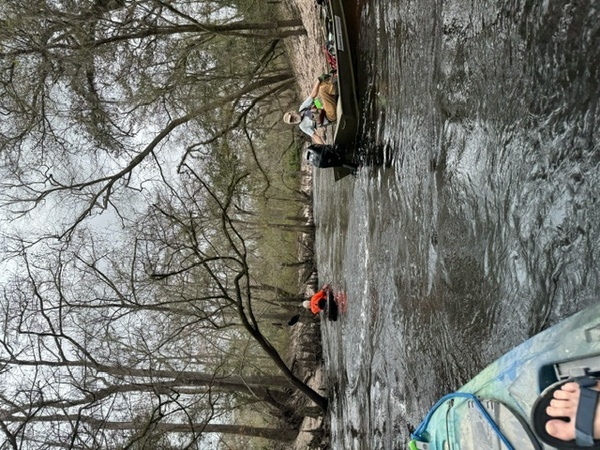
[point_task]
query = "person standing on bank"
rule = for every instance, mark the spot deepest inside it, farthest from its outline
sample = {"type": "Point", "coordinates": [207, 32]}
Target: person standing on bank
{"type": "Point", "coordinates": [318, 110]}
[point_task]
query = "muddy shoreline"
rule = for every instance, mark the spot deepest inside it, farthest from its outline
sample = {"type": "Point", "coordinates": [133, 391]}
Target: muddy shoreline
{"type": "Point", "coordinates": [305, 355]}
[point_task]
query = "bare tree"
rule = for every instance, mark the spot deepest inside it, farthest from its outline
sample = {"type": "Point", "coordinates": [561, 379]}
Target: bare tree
{"type": "Point", "coordinates": [91, 91]}
{"type": "Point", "coordinates": [92, 359]}
{"type": "Point", "coordinates": [150, 112]}
{"type": "Point", "coordinates": [119, 326]}
{"type": "Point", "coordinates": [226, 260]}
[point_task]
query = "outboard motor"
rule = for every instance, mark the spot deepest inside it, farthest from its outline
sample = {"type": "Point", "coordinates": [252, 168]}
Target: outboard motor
{"type": "Point", "coordinates": [324, 156]}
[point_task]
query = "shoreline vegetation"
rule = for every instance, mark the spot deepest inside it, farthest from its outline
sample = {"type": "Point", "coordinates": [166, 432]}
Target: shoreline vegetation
{"type": "Point", "coordinates": [308, 62]}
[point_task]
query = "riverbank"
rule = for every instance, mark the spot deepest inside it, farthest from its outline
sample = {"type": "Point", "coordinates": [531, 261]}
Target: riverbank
{"type": "Point", "coordinates": [308, 62]}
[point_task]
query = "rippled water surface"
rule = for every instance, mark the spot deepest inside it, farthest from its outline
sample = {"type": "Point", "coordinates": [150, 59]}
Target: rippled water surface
{"type": "Point", "coordinates": [475, 222]}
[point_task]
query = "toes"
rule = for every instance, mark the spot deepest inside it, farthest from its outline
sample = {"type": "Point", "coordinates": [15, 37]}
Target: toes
{"type": "Point", "coordinates": [564, 404]}
{"type": "Point", "coordinates": [568, 387]}
{"type": "Point", "coordinates": [565, 395]}
{"type": "Point", "coordinates": [561, 410]}
{"type": "Point", "coordinates": [560, 430]}
{"type": "Point", "coordinates": [570, 391]}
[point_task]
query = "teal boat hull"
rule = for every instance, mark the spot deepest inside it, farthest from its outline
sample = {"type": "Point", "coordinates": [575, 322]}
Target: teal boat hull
{"type": "Point", "coordinates": [509, 387]}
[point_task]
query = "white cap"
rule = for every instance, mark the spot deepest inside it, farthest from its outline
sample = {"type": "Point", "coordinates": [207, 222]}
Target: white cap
{"type": "Point", "coordinates": [306, 304]}
{"type": "Point", "coordinates": [292, 118]}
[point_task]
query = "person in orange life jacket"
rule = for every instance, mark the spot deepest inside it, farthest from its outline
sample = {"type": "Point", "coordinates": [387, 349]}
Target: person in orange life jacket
{"type": "Point", "coordinates": [318, 301]}
{"type": "Point", "coordinates": [318, 110]}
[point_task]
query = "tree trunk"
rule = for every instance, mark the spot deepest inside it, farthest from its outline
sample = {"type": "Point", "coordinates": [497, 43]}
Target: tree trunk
{"type": "Point", "coordinates": [182, 378]}
{"type": "Point", "coordinates": [279, 434]}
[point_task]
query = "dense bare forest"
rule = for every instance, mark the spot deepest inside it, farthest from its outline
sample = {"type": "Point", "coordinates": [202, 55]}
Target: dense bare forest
{"type": "Point", "coordinates": [152, 209]}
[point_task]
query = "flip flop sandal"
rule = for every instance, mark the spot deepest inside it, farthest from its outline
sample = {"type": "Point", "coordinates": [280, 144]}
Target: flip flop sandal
{"type": "Point", "coordinates": [584, 419]}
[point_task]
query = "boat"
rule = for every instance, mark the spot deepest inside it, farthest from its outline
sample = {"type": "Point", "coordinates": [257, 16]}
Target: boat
{"type": "Point", "coordinates": [346, 126]}
{"type": "Point", "coordinates": [492, 411]}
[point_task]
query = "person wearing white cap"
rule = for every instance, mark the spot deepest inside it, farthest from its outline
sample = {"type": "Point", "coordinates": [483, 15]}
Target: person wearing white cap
{"type": "Point", "coordinates": [318, 301]}
{"type": "Point", "coordinates": [318, 110]}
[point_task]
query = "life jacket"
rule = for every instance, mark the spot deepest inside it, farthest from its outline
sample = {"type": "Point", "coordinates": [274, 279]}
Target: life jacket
{"type": "Point", "coordinates": [315, 114]}
{"type": "Point", "coordinates": [318, 302]}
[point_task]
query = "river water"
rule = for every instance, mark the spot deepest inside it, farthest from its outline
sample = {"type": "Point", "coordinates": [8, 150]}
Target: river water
{"type": "Point", "coordinates": [474, 223]}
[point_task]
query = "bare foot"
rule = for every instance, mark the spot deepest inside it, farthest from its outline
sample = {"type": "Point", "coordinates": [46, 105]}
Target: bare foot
{"type": "Point", "coordinates": [564, 404]}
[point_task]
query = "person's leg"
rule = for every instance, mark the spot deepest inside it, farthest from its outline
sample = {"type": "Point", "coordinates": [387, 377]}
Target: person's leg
{"type": "Point", "coordinates": [329, 98]}
{"type": "Point", "coordinates": [564, 404]}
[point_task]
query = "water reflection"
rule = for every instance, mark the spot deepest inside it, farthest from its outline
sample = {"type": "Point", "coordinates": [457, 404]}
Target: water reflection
{"type": "Point", "coordinates": [482, 228]}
